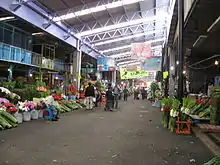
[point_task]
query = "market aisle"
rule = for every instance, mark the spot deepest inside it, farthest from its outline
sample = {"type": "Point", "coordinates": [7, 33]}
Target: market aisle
{"type": "Point", "coordinates": [131, 136]}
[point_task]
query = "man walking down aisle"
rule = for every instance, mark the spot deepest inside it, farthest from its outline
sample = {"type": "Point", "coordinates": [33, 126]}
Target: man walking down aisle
{"type": "Point", "coordinates": [90, 95]}
{"type": "Point", "coordinates": [125, 91]}
{"type": "Point", "coordinates": [116, 92]}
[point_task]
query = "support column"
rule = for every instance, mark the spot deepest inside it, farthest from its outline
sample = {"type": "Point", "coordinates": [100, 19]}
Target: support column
{"type": "Point", "coordinates": [115, 76]}
{"type": "Point", "coordinates": [76, 67]}
{"type": "Point", "coordinates": [180, 48]}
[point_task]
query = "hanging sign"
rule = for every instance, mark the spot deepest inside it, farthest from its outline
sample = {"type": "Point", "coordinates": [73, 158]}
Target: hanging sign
{"type": "Point", "coordinates": [141, 51]}
{"type": "Point", "coordinates": [125, 74]}
{"type": "Point", "coordinates": [165, 75]}
{"type": "Point", "coordinates": [152, 64]}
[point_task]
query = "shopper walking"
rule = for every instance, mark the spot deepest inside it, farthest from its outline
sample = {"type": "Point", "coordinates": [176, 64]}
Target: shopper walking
{"type": "Point", "coordinates": [90, 95]}
{"type": "Point", "coordinates": [136, 92]}
{"type": "Point", "coordinates": [125, 91]}
{"type": "Point", "coordinates": [143, 93]}
{"type": "Point", "coordinates": [109, 99]}
{"type": "Point", "coordinates": [98, 97]}
{"type": "Point", "coordinates": [116, 92]}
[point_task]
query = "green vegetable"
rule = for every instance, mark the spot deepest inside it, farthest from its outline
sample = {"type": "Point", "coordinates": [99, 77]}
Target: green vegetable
{"type": "Point", "coordinates": [4, 123]}
{"type": "Point", "coordinates": [214, 161]}
{"type": "Point", "coordinates": [8, 116]}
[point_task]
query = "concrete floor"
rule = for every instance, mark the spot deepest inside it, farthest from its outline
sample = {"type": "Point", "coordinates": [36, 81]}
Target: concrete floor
{"type": "Point", "coordinates": [132, 135]}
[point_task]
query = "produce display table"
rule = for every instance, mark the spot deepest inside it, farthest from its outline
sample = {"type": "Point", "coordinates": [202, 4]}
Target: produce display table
{"type": "Point", "coordinates": [196, 119]}
{"type": "Point", "coordinates": [209, 127]}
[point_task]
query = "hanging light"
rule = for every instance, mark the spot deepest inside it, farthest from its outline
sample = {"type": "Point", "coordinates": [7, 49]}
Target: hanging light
{"type": "Point", "coordinates": [56, 77]}
{"type": "Point", "coordinates": [177, 62]}
{"type": "Point", "coordinates": [184, 72]}
{"type": "Point", "coordinates": [216, 62]}
{"type": "Point", "coordinates": [172, 68]}
{"type": "Point", "coordinates": [30, 75]}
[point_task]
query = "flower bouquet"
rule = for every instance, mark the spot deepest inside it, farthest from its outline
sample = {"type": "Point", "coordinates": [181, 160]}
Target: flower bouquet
{"type": "Point", "coordinates": [10, 108]}
{"type": "Point", "coordinates": [3, 100]}
{"type": "Point", "coordinates": [34, 113]}
{"type": "Point", "coordinates": [25, 108]}
{"type": "Point", "coordinates": [57, 97]}
{"type": "Point", "coordinates": [174, 113]}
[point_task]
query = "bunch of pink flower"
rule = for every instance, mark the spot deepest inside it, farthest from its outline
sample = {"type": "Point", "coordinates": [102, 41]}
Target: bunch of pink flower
{"type": "Point", "coordinates": [29, 105]}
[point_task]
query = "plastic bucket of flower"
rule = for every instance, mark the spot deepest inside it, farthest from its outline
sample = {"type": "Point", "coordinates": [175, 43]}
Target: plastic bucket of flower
{"type": "Point", "coordinates": [34, 114]}
{"type": "Point", "coordinates": [26, 116]}
{"type": "Point", "coordinates": [19, 117]}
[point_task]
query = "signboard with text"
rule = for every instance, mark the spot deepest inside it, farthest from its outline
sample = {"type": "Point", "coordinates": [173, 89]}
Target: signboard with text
{"type": "Point", "coordinates": [105, 63]}
{"type": "Point", "coordinates": [125, 74]}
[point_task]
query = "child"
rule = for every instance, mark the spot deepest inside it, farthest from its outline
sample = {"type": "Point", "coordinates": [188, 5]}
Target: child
{"type": "Point", "coordinates": [109, 99]}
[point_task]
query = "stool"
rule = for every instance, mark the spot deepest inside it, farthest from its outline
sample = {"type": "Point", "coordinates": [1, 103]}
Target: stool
{"type": "Point", "coordinates": [187, 130]}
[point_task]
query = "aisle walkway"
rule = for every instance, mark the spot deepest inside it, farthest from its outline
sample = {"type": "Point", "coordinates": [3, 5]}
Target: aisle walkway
{"type": "Point", "coordinates": [131, 136]}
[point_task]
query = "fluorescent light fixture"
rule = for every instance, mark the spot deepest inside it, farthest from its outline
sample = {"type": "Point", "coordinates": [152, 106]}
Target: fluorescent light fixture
{"type": "Point", "coordinates": [129, 46]}
{"type": "Point", "coordinates": [95, 9]}
{"type": "Point", "coordinates": [115, 49]}
{"type": "Point", "coordinates": [126, 58]}
{"type": "Point", "coordinates": [6, 18]}
{"type": "Point", "coordinates": [129, 64]}
{"type": "Point", "coordinates": [199, 40]}
{"type": "Point", "coordinates": [214, 26]}
{"type": "Point", "coordinates": [120, 55]}
{"type": "Point", "coordinates": [128, 37]}
{"type": "Point", "coordinates": [39, 33]}
{"type": "Point", "coordinates": [124, 24]}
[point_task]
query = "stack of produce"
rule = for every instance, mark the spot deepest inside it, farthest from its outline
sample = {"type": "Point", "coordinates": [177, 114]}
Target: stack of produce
{"type": "Point", "coordinates": [174, 113]}
{"type": "Point", "coordinates": [67, 106]}
{"type": "Point", "coordinates": [201, 108]}
{"type": "Point", "coordinates": [7, 120]}
{"type": "Point", "coordinates": [215, 106]}
{"type": "Point", "coordinates": [166, 105]}
{"type": "Point", "coordinates": [214, 161]}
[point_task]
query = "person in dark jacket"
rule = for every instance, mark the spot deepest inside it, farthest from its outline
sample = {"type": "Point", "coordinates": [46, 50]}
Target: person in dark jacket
{"type": "Point", "coordinates": [90, 95]}
{"type": "Point", "coordinates": [109, 99]}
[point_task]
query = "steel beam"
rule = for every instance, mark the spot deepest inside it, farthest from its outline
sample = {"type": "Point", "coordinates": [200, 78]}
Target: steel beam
{"type": "Point", "coordinates": [35, 15]}
{"type": "Point", "coordinates": [90, 8]}
{"type": "Point", "coordinates": [124, 32]}
{"type": "Point", "coordinates": [120, 22]}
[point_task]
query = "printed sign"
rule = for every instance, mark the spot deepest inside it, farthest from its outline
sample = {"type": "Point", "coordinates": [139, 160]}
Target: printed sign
{"type": "Point", "coordinates": [125, 74]}
{"type": "Point", "coordinates": [152, 64]}
{"type": "Point", "coordinates": [141, 51]}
